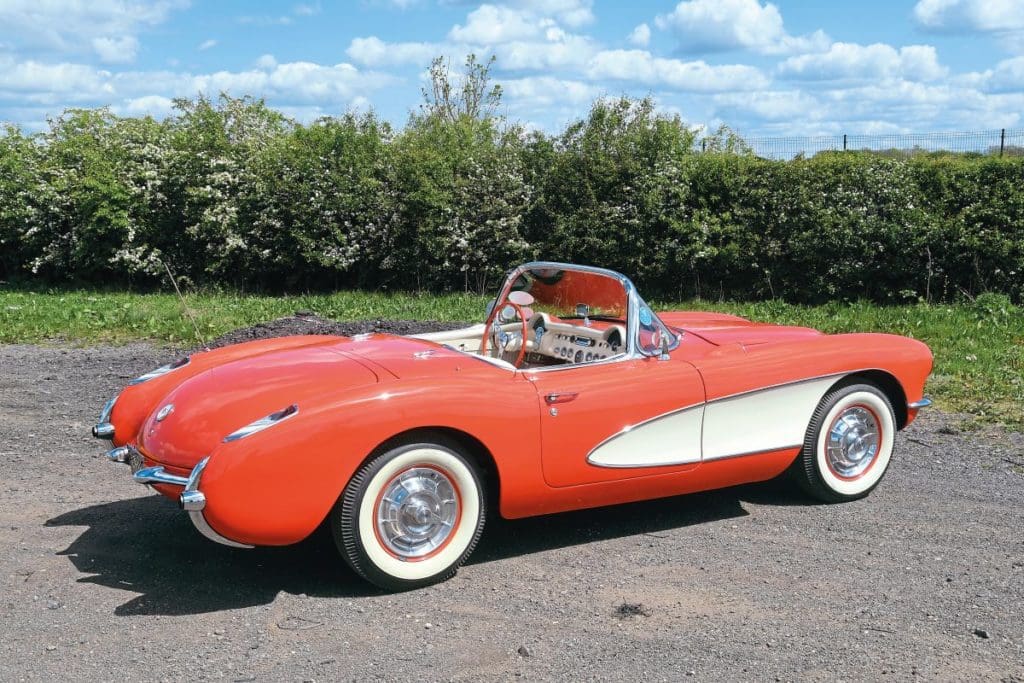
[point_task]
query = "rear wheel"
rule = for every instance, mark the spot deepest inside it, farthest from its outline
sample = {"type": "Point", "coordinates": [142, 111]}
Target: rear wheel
{"type": "Point", "coordinates": [411, 516]}
{"type": "Point", "coordinates": [848, 444]}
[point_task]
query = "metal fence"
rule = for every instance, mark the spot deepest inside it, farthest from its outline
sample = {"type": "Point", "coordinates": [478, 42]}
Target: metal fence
{"type": "Point", "coordinates": [998, 142]}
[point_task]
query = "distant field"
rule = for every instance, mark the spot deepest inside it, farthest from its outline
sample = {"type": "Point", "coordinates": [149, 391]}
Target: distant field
{"type": "Point", "coordinates": [979, 347]}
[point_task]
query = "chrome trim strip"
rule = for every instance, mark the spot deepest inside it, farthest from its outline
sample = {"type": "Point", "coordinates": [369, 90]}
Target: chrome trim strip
{"type": "Point", "coordinates": [162, 370]}
{"type": "Point", "coordinates": [259, 425]}
{"type": "Point", "coordinates": [746, 453]}
{"type": "Point", "coordinates": [923, 403]}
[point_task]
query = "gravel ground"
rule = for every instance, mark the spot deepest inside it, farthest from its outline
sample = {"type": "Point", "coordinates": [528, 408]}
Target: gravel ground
{"type": "Point", "coordinates": [103, 581]}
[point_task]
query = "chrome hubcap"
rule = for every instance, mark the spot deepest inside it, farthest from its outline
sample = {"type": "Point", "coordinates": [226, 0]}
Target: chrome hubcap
{"type": "Point", "coordinates": [417, 512]}
{"type": "Point", "coordinates": [853, 442]}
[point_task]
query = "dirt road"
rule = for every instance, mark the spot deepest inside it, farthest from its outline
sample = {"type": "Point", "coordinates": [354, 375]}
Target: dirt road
{"type": "Point", "coordinates": [104, 581]}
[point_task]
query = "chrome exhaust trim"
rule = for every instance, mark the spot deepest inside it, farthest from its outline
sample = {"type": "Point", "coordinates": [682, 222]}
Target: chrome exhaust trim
{"type": "Point", "coordinates": [923, 403]}
{"type": "Point", "coordinates": [104, 430]}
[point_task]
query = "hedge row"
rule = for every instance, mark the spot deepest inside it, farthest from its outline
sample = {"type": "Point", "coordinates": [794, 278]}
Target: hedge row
{"type": "Point", "coordinates": [229, 193]}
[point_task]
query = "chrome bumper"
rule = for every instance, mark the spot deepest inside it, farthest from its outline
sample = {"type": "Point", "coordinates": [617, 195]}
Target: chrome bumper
{"type": "Point", "coordinates": [923, 403]}
{"type": "Point", "coordinates": [192, 500]}
{"type": "Point", "coordinates": [103, 428]}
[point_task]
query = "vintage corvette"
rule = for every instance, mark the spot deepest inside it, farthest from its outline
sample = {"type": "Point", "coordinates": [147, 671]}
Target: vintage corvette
{"type": "Point", "coordinates": [571, 394]}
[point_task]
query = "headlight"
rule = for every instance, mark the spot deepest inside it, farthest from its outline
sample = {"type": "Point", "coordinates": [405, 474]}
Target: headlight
{"type": "Point", "coordinates": [262, 423]}
{"type": "Point", "coordinates": [162, 370]}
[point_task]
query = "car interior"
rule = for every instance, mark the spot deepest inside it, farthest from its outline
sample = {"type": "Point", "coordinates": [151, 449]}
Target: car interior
{"type": "Point", "coordinates": [550, 317]}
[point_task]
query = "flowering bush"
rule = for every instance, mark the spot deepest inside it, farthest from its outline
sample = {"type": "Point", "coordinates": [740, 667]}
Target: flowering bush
{"type": "Point", "coordinates": [231, 193]}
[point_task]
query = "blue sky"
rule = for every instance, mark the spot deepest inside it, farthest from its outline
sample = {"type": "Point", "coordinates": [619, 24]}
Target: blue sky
{"type": "Point", "coordinates": [789, 67]}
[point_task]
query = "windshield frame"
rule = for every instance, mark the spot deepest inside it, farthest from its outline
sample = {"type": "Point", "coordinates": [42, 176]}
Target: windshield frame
{"type": "Point", "coordinates": [634, 304]}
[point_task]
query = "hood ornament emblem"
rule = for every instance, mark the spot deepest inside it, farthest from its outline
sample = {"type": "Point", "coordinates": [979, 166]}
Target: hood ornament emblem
{"type": "Point", "coordinates": [164, 412]}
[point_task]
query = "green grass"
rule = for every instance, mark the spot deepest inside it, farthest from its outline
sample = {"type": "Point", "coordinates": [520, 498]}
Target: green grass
{"type": "Point", "coordinates": [978, 347]}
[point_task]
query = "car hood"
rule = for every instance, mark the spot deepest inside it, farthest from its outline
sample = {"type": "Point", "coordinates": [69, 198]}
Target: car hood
{"type": "Point", "coordinates": [721, 329]}
{"type": "Point", "coordinates": [212, 404]}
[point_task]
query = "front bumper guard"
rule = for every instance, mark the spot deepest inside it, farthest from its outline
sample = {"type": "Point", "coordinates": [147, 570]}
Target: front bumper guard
{"type": "Point", "coordinates": [104, 429]}
{"type": "Point", "coordinates": [192, 500]}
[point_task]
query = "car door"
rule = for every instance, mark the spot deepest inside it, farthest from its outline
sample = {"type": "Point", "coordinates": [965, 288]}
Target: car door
{"type": "Point", "coordinates": [618, 419]}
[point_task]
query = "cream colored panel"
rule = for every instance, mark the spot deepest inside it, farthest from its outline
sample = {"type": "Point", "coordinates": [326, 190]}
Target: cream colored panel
{"type": "Point", "coordinates": [763, 420]}
{"type": "Point", "coordinates": [671, 439]}
{"type": "Point", "coordinates": [466, 339]}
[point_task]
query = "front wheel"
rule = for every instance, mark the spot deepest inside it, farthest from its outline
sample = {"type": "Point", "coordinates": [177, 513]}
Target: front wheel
{"type": "Point", "coordinates": [848, 445]}
{"type": "Point", "coordinates": [411, 516]}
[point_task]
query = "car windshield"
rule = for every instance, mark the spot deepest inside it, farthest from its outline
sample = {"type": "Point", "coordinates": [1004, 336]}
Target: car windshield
{"type": "Point", "coordinates": [563, 293]}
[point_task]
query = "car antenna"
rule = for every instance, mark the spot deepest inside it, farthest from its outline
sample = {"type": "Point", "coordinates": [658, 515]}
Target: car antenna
{"type": "Point", "coordinates": [184, 306]}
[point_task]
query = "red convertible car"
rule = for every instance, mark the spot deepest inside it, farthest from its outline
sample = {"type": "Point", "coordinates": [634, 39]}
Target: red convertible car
{"type": "Point", "coordinates": [571, 394]}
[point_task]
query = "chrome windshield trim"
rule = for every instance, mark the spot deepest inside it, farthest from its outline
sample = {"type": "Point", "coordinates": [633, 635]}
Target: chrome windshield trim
{"type": "Point", "coordinates": [923, 403]}
{"type": "Point", "coordinates": [633, 305]}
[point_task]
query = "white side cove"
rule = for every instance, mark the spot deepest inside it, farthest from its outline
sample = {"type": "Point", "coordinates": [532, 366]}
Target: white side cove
{"type": "Point", "coordinates": [762, 420]}
{"type": "Point", "coordinates": [670, 439]}
{"type": "Point", "coordinates": [754, 422]}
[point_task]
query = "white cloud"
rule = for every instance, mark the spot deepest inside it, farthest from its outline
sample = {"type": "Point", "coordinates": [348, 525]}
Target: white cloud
{"type": "Point", "coordinates": [771, 105]}
{"type": "Point", "coordinates": [1007, 76]}
{"type": "Point", "coordinates": [707, 25]}
{"type": "Point", "coordinates": [547, 90]}
{"type": "Point", "coordinates": [491, 24]}
{"type": "Point", "coordinates": [107, 26]}
{"type": "Point", "coordinates": [975, 15]}
{"type": "Point", "coordinates": [153, 105]}
{"type": "Point", "coordinates": [116, 50]}
{"type": "Point", "coordinates": [307, 9]}
{"type": "Point", "coordinates": [572, 13]}
{"type": "Point", "coordinates": [641, 35]}
{"type": "Point", "coordinates": [53, 87]}
{"type": "Point", "coordinates": [560, 51]}
{"type": "Point", "coordinates": [857, 62]}
{"type": "Point", "coordinates": [266, 61]}
{"type": "Point", "coordinates": [374, 52]}
{"type": "Point", "coordinates": [207, 44]}
{"type": "Point", "coordinates": [697, 76]}
{"type": "Point", "coordinates": [51, 83]}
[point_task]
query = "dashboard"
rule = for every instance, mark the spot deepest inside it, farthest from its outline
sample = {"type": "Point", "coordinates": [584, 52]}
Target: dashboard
{"type": "Point", "coordinates": [578, 343]}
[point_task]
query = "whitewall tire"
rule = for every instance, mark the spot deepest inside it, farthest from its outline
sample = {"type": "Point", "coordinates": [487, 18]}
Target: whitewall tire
{"type": "Point", "coordinates": [411, 516]}
{"type": "Point", "coordinates": [848, 445]}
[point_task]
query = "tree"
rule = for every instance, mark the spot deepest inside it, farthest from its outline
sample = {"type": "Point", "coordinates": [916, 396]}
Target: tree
{"type": "Point", "coordinates": [472, 96]}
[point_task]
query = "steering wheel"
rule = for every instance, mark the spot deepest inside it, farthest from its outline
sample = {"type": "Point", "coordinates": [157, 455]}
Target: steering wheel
{"type": "Point", "coordinates": [495, 329]}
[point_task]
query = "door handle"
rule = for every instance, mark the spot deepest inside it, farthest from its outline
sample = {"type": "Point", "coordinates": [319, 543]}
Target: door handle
{"type": "Point", "coordinates": [560, 397]}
